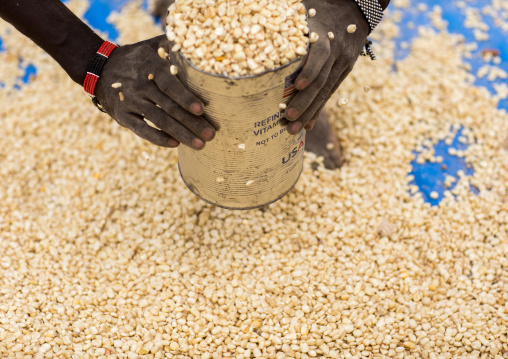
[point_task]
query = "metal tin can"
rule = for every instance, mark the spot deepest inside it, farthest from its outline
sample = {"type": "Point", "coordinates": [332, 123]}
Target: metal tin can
{"type": "Point", "coordinates": [252, 161]}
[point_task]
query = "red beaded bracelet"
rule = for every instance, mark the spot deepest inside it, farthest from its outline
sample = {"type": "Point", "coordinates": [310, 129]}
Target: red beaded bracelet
{"type": "Point", "coordinates": [95, 69]}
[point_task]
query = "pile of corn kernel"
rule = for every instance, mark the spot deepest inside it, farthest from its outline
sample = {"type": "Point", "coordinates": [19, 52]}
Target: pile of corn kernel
{"type": "Point", "coordinates": [106, 254]}
{"type": "Point", "coordinates": [238, 38]}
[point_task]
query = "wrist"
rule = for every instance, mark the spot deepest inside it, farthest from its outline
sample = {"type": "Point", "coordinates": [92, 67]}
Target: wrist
{"type": "Point", "coordinates": [372, 12]}
{"type": "Point", "coordinates": [95, 68]}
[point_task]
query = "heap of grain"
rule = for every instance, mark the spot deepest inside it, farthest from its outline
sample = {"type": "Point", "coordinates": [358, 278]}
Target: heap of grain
{"type": "Point", "coordinates": [238, 38]}
{"type": "Point", "coordinates": [107, 255]}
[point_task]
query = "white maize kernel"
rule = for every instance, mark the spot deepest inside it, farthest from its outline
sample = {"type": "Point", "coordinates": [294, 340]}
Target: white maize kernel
{"type": "Point", "coordinates": [300, 50]}
{"type": "Point", "coordinates": [343, 102]}
{"type": "Point", "coordinates": [351, 28]}
{"type": "Point", "coordinates": [313, 37]}
{"type": "Point", "coordinates": [162, 53]}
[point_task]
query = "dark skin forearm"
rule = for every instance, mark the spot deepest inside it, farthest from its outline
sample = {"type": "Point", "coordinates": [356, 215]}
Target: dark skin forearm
{"type": "Point", "coordinates": [54, 28]}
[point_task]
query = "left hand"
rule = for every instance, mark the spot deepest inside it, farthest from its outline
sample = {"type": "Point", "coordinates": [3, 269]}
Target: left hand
{"type": "Point", "coordinates": [162, 99]}
{"type": "Point", "coordinates": [329, 60]}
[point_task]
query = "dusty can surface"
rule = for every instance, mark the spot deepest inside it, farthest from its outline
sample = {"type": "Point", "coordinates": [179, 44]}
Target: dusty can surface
{"type": "Point", "coordinates": [252, 161]}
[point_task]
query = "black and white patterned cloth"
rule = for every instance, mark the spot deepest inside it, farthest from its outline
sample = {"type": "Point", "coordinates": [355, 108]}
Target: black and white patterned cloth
{"type": "Point", "coordinates": [372, 11]}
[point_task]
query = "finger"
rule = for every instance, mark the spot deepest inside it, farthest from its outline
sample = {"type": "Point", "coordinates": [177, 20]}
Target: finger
{"type": "Point", "coordinates": [173, 88]}
{"type": "Point", "coordinates": [324, 95]}
{"type": "Point", "coordinates": [319, 53]}
{"type": "Point", "coordinates": [310, 125]}
{"type": "Point", "coordinates": [196, 124]}
{"type": "Point", "coordinates": [137, 125]}
{"type": "Point", "coordinates": [171, 126]}
{"type": "Point", "coordinates": [304, 98]}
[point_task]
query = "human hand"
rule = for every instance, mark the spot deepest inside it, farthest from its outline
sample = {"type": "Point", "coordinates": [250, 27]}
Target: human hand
{"type": "Point", "coordinates": [329, 60]}
{"type": "Point", "coordinates": [163, 99]}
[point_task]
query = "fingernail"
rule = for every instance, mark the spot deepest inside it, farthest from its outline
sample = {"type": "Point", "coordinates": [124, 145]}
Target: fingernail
{"type": "Point", "coordinates": [173, 143]}
{"type": "Point", "coordinates": [196, 108]}
{"type": "Point", "coordinates": [197, 143]}
{"type": "Point", "coordinates": [295, 127]}
{"type": "Point", "coordinates": [291, 114]}
{"type": "Point", "coordinates": [208, 133]}
{"type": "Point", "coordinates": [301, 84]}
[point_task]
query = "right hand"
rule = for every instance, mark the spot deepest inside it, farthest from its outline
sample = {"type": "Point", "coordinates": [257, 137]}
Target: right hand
{"type": "Point", "coordinates": [164, 101]}
{"type": "Point", "coordinates": [329, 61]}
